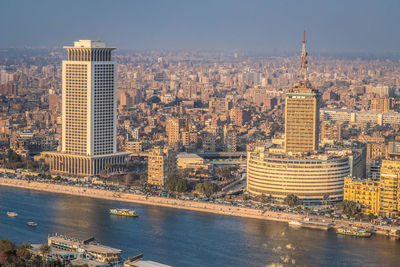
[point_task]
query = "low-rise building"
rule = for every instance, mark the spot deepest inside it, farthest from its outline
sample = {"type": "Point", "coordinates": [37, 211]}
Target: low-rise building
{"type": "Point", "coordinates": [85, 249]}
{"type": "Point", "coordinates": [190, 161]}
{"type": "Point", "coordinates": [377, 197]}
{"type": "Point", "coordinates": [363, 191]}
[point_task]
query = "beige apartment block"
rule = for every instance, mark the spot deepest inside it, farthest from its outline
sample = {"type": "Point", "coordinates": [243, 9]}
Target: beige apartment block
{"type": "Point", "coordinates": [161, 165]}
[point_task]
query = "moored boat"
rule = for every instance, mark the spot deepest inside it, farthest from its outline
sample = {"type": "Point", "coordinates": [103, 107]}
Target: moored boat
{"type": "Point", "coordinates": [124, 212]}
{"type": "Point", "coordinates": [353, 232]}
{"type": "Point", "coordinates": [32, 224]}
{"type": "Point", "coordinates": [12, 214]}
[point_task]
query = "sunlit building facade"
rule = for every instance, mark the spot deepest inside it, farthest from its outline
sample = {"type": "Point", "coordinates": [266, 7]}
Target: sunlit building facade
{"type": "Point", "coordinates": [364, 192]}
{"type": "Point", "coordinates": [302, 119]}
{"type": "Point", "coordinates": [390, 188]}
{"type": "Point", "coordinates": [162, 164]}
{"type": "Point", "coordinates": [313, 179]}
{"type": "Point", "coordinates": [89, 105]}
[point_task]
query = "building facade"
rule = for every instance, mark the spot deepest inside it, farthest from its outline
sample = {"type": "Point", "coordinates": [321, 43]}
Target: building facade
{"type": "Point", "coordinates": [365, 192]}
{"type": "Point", "coordinates": [89, 106]}
{"type": "Point", "coordinates": [312, 179]}
{"type": "Point", "coordinates": [377, 197]}
{"type": "Point", "coordinates": [390, 188]}
{"type": "Point", "coordinates": [302, 112]}
{"type": "Point", "coordinates": [161, 165]}
{"type": "Point", "coordinates": [174, 128]}
{"type": "Point", "coordinates": [302, 119]}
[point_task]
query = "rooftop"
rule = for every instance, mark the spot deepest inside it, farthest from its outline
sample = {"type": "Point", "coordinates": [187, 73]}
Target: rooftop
{"type": "Point", "coordinates": [97, 248]}
{"type": "Point", "coordinates": [89, 44]}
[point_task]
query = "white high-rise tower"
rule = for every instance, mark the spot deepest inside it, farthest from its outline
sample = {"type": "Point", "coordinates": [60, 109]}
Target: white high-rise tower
{"type": "Point", "coordinates": [89, 111]}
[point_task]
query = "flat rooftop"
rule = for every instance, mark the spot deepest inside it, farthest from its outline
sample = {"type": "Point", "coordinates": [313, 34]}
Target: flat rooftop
{"type": "Point", "coordinates": [97, 248]}
{"type": "Point", "coordinates": [89, 44]}
{"type": "Point", "coordinates": [66, 240]}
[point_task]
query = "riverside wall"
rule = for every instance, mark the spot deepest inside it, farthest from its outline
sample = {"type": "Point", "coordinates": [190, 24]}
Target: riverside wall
{"type": "Point", "coordinates": [151, 200]}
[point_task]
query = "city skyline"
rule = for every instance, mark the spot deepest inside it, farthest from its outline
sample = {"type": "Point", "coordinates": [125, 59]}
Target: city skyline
{"type": "Point", "coordinates": [272, 26]}
{"type": "Point", "coordinates": [209, 107]}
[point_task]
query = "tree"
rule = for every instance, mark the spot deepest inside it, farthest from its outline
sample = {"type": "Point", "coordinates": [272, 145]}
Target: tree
{"type": "Point", "coordinates": [184, 173]}
{"type": "Point", "coordinates": [44, 251]}
{"type": "Point", "coordinates": [10, 255]}
{"type": "Point", "coordinates": [23, 251]}
{"type": "Point", "coordinates": [225, 173]}
{"type": "Point", "coordinates": [349, 208]}
{"type": "Point", "coordinates": [175, 184]}
{"type": "Point", "coordinates": [206, 189]}
{"type": "Point", "coordinates": [263, 198]}
{"type": "Point", "coordinates": [153, 99]}
{"type": "Point", "coordinates": [292, 200]}
{"type": "Point", "coordinates": [130, 177]}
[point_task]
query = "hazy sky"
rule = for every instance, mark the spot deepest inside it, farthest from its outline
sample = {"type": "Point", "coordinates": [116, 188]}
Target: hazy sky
{"type": "Point", "coordinates": [249, 25]}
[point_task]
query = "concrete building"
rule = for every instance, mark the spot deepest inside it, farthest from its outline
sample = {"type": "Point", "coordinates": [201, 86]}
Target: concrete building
{"type": "Point", "coordinates": [97, 252]}
{"type": "Point", "coordinates": [302, 114]}
{"type": "Point", "coordinates": [161, 165]}
{"type": "Point", "coordinates": [365, 192]}
{"type": "Point", "coordinates": [133, 146]}
{"type": "Point", "coordinates": [315, 178]}
{"type": "Point", "coordinates": [191, 161]}
{"type": "Point", "coordinates": [89, 110]}
{"type": "Point", "coordinates": [380, 104]}
{"type": "Point", "coordinates": [390, 188]}
{"type": "Point", "coordinates": [231, 140]}
{"type": "Point", "coordinates": [239, 116]}
{"type": "Point", "coordinates": [299, 169]}
{"type": "Point", "coordinates": [354, 116]}
{"type": "Point", "coordinates": [174, 128]}
{"type": "Point", "coordinates": [377, 197]}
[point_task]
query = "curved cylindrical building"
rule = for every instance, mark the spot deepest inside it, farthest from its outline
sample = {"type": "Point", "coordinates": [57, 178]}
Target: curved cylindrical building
{"type": "Point", "coordinates": [313, 178]}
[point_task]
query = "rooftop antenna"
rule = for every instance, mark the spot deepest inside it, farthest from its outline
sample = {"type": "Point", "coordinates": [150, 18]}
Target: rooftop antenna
{"type": "Point", "coordinates": [304, 62]}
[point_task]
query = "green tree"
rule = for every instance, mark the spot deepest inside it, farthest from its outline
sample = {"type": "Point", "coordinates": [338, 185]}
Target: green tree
{"type": "Point", "coordinates": [225, 173]}
{"type": "Point", "coordinates": [206, 189]}
{"type": "Point", "coordinates": [175, 184]}
{"type": "Point", "coordinates": [292, 200]}
{"type": "Point", "coordinates": [23, 251]}
{"type": "Point", "coordinates": [349, 208]}
{"type": "Point", "coordinates": [44, 252]}
{"type": "Point", "coordinates": [153, 99]}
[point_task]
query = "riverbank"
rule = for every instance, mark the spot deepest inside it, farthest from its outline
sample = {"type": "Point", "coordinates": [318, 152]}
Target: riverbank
{"type": "Point", "coordinates": [152, 200]}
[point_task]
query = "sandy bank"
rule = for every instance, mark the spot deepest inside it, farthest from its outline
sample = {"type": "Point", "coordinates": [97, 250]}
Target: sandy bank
{"type": "Point", "coordinates": [151, 200]}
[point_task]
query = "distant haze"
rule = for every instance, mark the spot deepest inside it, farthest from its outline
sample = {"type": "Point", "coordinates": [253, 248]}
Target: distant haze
{"type": "Point", "coordinates": [249, 25]}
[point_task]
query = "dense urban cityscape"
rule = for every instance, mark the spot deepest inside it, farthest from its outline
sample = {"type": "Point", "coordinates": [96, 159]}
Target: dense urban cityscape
{"type": "Point", "coordinates": [302, 142]}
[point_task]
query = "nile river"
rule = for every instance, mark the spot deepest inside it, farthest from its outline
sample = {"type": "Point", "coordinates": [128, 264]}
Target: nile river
{"type": "Point", "coordinates": [186, 238]}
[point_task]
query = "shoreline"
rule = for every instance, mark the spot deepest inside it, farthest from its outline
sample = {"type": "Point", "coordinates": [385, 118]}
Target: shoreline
{"type": "Point", "coordinates": [152, 200]}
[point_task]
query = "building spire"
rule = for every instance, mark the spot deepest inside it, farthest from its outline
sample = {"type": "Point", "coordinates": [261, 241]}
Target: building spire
{"type": "Point", "coordinates": [304, 63]}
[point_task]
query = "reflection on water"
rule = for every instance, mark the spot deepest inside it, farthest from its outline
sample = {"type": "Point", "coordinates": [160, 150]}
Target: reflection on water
{"type": "Point", "coordinates": [185, 238]}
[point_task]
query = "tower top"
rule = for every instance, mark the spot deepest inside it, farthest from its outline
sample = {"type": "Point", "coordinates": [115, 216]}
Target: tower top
{"type": "Point", "coordinates": [304, 62]}
{"type": "Point", "coordinates": [90, 44]}
{"type": "Point", "coordinates": [89, 50]}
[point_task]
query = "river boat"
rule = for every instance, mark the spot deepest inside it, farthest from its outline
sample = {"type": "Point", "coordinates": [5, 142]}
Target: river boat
{"type": "Point", "coordinates": [31, 224]}
{"type": "Point", "coordinates": [124, 212]}
{"type": "Point", "coordinates": [12, 214]}
{"type": "Point", "coordinates": [353, 232]}
{"type": "Point", "coordinates": [295, 223]}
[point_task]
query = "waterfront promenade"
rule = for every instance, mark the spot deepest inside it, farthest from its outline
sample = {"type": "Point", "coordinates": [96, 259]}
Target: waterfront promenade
{"type": "Point", "coordinates": [152, 200]}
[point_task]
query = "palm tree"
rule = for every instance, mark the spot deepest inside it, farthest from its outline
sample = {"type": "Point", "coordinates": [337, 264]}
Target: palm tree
{"type": "Point", "coordinates": [44, 251]}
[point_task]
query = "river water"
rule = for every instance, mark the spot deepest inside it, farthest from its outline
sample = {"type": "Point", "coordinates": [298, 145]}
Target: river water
{"type": "Point", "coordinates": [186, 238]}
